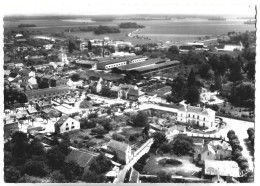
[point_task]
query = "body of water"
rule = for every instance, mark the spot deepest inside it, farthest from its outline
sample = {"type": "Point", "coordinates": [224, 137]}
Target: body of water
{"type": "Point", "coordinates": [156, 30]}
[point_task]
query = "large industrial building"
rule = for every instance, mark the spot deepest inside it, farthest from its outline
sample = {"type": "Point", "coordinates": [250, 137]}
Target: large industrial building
{"type": "Point", "coordinates": [108, 63]}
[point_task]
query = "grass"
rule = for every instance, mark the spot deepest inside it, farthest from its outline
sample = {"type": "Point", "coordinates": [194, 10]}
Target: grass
{"type": "Point", "coordinates": [153, 166]}
{"type": "Point", "coordinates": [161, 91]}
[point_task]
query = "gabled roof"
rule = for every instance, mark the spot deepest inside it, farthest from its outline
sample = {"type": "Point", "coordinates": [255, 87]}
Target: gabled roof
{"type": "Point", "coordinates": [80, 157]}
{"type": "Point", "coordinates": [209, 148]}
{"type": "Point", "coordinates": [117, 145]}
{"type": "Point", "coordinates": [62, 120]}
{"type": "Point", "coordinates": [55, 77]}
{"type": "Point", "coordinates": [135, 92]}
{"type": "Point", "coordinates": [127, 86]}
{"type": "Point", "coordinates": [115, 88]}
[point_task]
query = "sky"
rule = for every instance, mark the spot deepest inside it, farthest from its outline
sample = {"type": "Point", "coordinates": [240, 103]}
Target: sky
{"type": "Point", "coordinates": [97, 7]}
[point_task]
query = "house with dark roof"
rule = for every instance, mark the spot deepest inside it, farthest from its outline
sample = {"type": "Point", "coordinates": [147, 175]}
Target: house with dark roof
{"type": "Point", "coordinates": [121, 150]}
{"type": "Point", "coordinates": [55, 81]}
{"type": "Point", "coordinates": [82, 158]}
{"type": "Point", "coordinates": [226, 89]}
{"type": "Point", "coordinates": [134, 94]}
{"type": "Point", "coordinates": [196, 116]}
{"type": "Point", "coordinates": [35, 95]}
{"type": "Point", "coordinates": [66, 124]}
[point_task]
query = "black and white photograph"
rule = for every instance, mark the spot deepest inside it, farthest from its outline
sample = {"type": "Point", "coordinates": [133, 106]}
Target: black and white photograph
{"type": "Point", "coordinates": [159, 91]}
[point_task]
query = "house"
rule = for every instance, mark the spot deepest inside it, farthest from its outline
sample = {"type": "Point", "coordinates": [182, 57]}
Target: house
{"type": "Point", "coordinates": [116, 92]}
{"type": "Point", "coordinates": [226, 89]}
{"type": "Point", "coordinates": [204, 95]}
{"type": "Point", "coordinates": [196, 116]}
{"type": "Point", "coordinates": [224, 169]}
{"type": "Point", "coordinates": [96, 87]}
{"type": "Point", "coordinates": [82, 158]}
{"type": "Point", "coordinates": [207, 154]}
{"type": "Point", "coordinates": [10, 125]}
{"type": "Point", "coordinates": [41, 105]}
{"type": "Point", "coordinates": [134, 94]}
{"type": "Point", "coordinates": [223, 149]}
{"type": "Point", "coordinates": [66, 124]}
{"type": "Point", "coordinates": [46, 78]}
{"type": "Point", "coordinates": [55, 81]}
{"type": "Point", "coordinates": [122, 150]}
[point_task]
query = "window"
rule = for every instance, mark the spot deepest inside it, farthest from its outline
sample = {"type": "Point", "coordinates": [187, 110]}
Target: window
{"type": "Point", "coordinates": [203, 119]}
{"type": "Point", "coordinates": [72, 127]}
{"type": "Point", "coordinates": [181, 115]}
{"type": "Point", "coordinates": [189, 115]}
{"type": "Point", "coordinates": [72, 123]}
{"type": "Point", "coordinates": [193, 116]}
{"type": "Point", "coordinates": [67, 124]}
{"type": "Point", "coordinates": [208, 153]}
{"type": "Point", "coordinates": [67, 128]}
{"type": "Point", "coordinates": [197, 122]}
{"type": "Point", "coordinates": [198, 117]}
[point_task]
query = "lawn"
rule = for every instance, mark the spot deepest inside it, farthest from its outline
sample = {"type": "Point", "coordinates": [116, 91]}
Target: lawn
{"type": "Point", "coordinates": [186, 168]}
{"type": "Point", "coordinates": [161, 92]}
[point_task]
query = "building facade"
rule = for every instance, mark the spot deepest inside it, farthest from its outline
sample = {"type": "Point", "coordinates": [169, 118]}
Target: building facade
{"type": "Point", "coordinates": [204, 117]}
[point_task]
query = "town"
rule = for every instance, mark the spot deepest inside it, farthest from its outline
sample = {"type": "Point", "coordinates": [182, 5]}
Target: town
{"type": "Point", "coordinates": [109, 111]}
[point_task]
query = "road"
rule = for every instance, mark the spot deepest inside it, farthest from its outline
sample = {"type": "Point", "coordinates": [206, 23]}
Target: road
{"type": "Point", "coordinates": [240, 127]}
{"type": "Point", "coordinates": [122, 173]}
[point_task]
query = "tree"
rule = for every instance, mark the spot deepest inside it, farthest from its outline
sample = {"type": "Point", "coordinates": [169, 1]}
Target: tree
{"type": "Point", "coordinates": [19, 143]}
{"type": "Point", "coordinates": [244, 165]}
{"type": "Point", "coordinates": [140, 120]}
{"type": "Point", "coordinates": [235, 72]}
{"type": "Point", "coordinates": [55, 157]}
{"type": "Point", "coordinates": [193, 95]}
{"type": "Point", "coordinates": [250, 132]}
{"type": "Point", "coordinates": [75, 77]}
{"type": "Point", "coordinates": [89, 46]}
{"type": "Point", "coordinates": [230, 132]}
{"type": "Point", "coordinates": [165, 147]}
{"type": "Point", "coordinates": [71, 171]}
{"type": "Point", "coordinates": [36, 148]}
{"type": "Point", "coordinates": [182, 145]}
{"type": "Point", "coordinates": [11, 174]}
{"type": "Point", "coordinates": [71, 46]}
{"type": "Point", "coordinates": [173, 49]}
{"type": "Point", "coordinates": [204, 69]}
{"type": "Point", "coordinates": [210, 74]}
{"type": "Point", "coordinates": [164, 177]}
{"type": "Point", "coordinates": [118, 137]}
{"type": "Point", "coordinates": [35, 168]}
{"type": "Point", "coordinates": [250, 69]}
{"type": "Point", "coordinates": [92, 177]}
{"type": "Point", "coordinates": [100, 165]}
{"type": "Point", "coordinates": [57, 177]}
{"type": "Point", "coordinates": [218, 82]}
{"type": "Point", "coordinates": [146, 130]}
{"type": "Point", "coordinates": [241, 159]}
{"type": "Point", "coordinates": [179, 88]}
{"type": "Point", "coordinates": [191, 78]}
{"type": "Point", "coordinates": [159, 138]}
{"type": "Point", "coordinates": [99, 131]}
{"type": "Point", "coordinates": [237, 147]}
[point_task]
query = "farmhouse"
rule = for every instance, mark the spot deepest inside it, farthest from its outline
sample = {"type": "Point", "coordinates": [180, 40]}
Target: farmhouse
{"type": "Point", "coordinates": [66, 124]}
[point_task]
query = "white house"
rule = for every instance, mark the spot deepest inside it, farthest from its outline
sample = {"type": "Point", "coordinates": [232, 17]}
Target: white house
{"type": "Point", "coordinates": [196, 115]}
{"type": "Point", "coordinates": [204, 95]}
{"type": "Point", "coordinates": [66, 124]}
{"type": "Point", "coordinates": [63, 57]}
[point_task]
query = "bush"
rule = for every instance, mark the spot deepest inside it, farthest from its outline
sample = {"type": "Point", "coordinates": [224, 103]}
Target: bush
{"type": "Point", "coordinates": [118, 137]}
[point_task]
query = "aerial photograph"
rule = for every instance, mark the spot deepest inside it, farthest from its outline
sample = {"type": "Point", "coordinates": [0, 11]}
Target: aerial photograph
{"type": "Point", "coordinates": [153, 91]}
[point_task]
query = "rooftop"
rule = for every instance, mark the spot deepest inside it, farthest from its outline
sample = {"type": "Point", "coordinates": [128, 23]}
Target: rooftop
{"type": "Point", "coordinates": [117, 145]}
{"type": "Point", "coordinates": [223, 168]}
{"type": "Point", "coordinates": [82, 158]}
